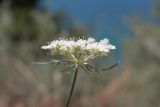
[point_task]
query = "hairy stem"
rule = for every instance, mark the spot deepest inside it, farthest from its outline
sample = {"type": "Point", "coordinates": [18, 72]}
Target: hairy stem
{"type": "Point", "coordinates": [73, 85]}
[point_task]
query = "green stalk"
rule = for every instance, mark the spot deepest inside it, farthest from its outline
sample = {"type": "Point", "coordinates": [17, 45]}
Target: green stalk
{"type": "Point", "coordinates": [73, 85]}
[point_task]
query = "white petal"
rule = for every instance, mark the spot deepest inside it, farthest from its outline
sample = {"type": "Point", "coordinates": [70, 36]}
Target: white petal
{"type": "Point", "coordinates": [91, 40]}
{"type": "Point", "coordinates": [46, 47]}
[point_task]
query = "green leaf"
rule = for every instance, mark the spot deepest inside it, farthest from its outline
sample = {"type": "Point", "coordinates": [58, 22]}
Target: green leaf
{"type": "Point", "coordinates": [88, 68]}
{"type": "Point", "coordinates": [109, 68]}
{"type": "Point", "coordinates": [43, 62]}
{"type": "Point", "coordinates": [71, 67]}
{"type": "Point", "coordinates": [84, 68]}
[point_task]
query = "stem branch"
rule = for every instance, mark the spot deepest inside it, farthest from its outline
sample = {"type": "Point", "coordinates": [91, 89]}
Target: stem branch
{"type": "Point", "coordinates": [73, 85]}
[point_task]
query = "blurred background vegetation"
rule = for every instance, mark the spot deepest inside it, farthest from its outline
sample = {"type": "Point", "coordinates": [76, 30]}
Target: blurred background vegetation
{"type": "Point", "coordinates": [24, 28]}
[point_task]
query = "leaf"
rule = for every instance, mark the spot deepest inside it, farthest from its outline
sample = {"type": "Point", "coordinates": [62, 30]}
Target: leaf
{"type": "Point", "coordinates": [68, 63]}
{"type": "Point", "coordinates": [110, 67]}
{"type": "Point", "coordinates": [91, 67]}
{"type": "Point", "coordinates": [54, 60]}
{"type": "Point", "coordinates": [65, 61]}
{"type": "Point", "coordinates": [62, 61]}
{"type": "Point", "coordinates": [43, 62]}
{"type": "Point", "coordinates": [68, 68]}
{"type": "Point", "coordinates": [97, 70]}
{"type": "Point", "coordinates": [83, 67]}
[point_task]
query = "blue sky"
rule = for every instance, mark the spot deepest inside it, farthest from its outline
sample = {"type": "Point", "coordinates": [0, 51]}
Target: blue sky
{"type": "Point", "coordinates": [90, 10]}
{"type": "Point", "coordinates": [106, 15]}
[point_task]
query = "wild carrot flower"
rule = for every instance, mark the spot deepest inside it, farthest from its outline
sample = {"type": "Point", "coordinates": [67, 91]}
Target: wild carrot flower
{"type": "Point", "coordinates": [78, 52]}
{"type": "Point", "coordinates": [80, 49]}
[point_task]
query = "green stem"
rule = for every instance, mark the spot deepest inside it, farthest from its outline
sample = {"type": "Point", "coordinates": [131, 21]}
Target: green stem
{"type": "Point", "coordinates": [73, 85]}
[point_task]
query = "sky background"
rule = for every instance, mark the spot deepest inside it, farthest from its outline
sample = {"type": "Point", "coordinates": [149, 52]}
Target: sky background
{"type": "Point", "coordinates": [107, 16]}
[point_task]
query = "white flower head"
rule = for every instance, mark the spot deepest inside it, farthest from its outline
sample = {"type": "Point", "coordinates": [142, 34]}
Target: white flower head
{"type": "Point", "coordinates": [81, 48]}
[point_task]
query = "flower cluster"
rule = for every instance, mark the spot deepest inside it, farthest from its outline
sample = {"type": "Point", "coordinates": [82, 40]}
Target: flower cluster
{"type": "Point", "coordinates": [85, 49]}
